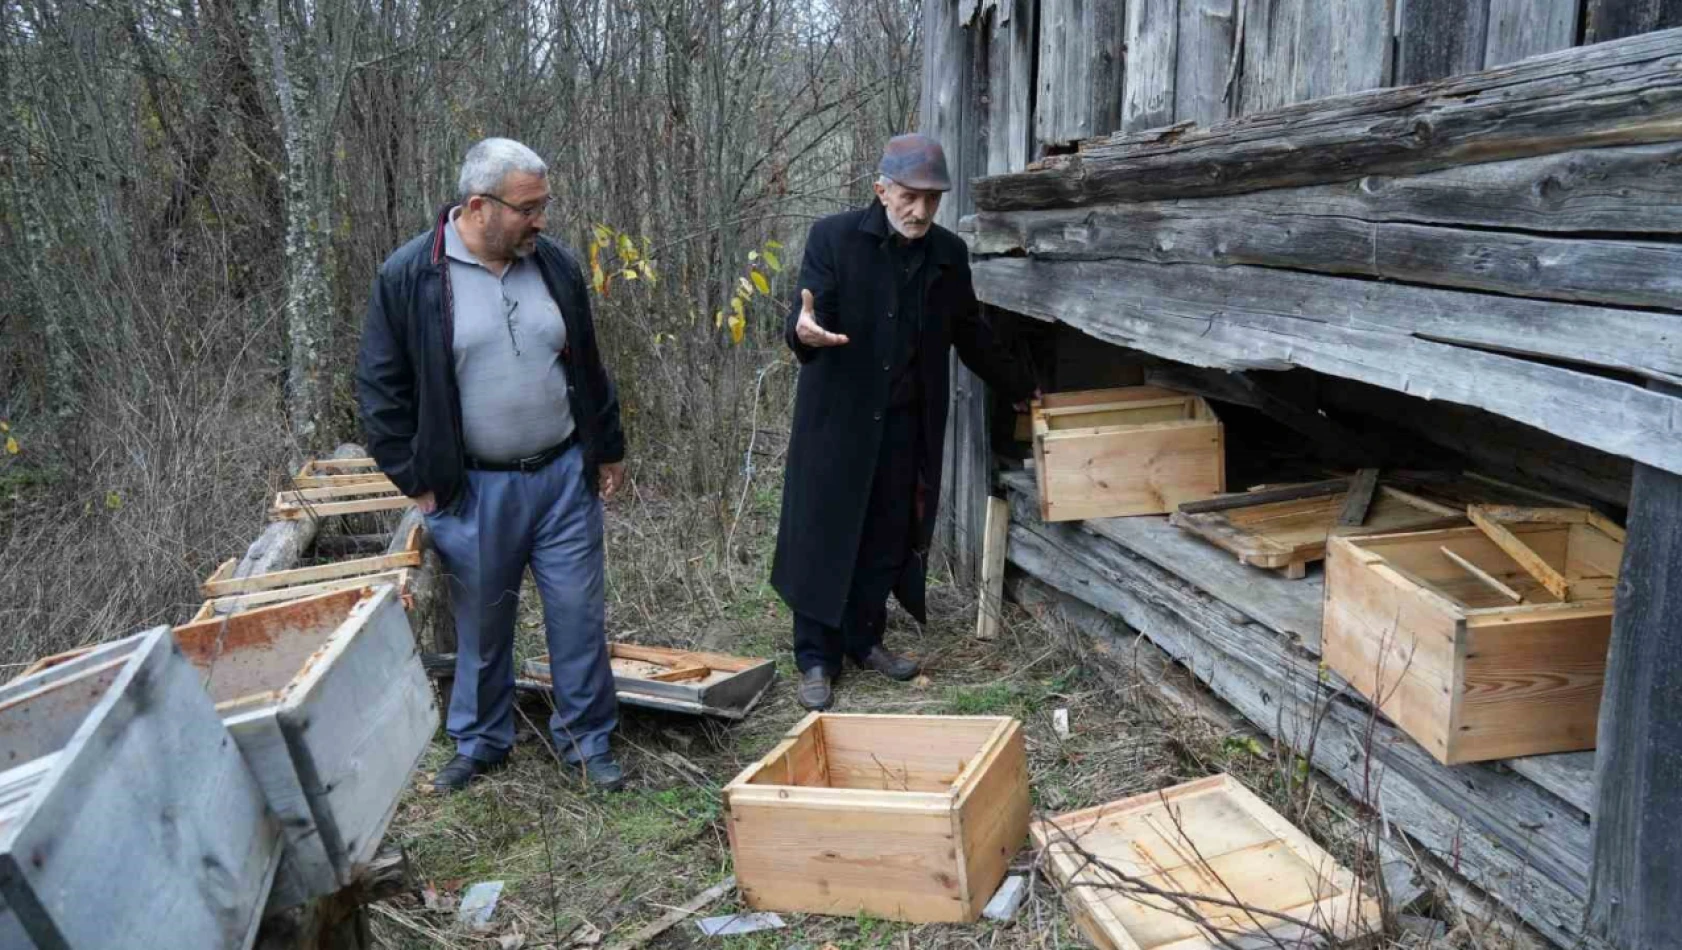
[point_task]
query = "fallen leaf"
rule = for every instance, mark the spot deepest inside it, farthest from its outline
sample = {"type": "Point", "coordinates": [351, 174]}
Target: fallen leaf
{"type": "Point", "coordinates": [922, 682]}
{"type": "Point", "coordinates": [513, 941]}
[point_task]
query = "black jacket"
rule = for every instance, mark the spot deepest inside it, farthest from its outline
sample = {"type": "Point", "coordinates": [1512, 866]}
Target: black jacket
{"type": "Point", "coordinates": [843, 393]}
{"type": "Point", "coordinates": [406, 371]}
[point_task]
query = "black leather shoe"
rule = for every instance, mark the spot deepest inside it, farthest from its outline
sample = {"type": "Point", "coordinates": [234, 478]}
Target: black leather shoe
{"type": "Point", "coordinates": [889, 664]}
{"type": "Point", "coordinates": [602, 772]}
{"type": "Point", "coordinates": [461, 771]}
{"type": "Point", "coordinates": [816, 692]}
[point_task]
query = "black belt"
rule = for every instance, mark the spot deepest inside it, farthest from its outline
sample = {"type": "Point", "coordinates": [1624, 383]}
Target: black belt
{"type": "Point", "coordinates": [530, 463]}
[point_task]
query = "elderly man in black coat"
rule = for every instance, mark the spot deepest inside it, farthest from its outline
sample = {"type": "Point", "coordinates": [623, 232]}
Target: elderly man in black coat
{"type": "Point", "coordinates": [885, 292]}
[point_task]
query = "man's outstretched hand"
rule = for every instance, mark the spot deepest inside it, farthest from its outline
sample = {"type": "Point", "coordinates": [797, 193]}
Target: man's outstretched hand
{"type": "Point", "coordinates": [807, 329]}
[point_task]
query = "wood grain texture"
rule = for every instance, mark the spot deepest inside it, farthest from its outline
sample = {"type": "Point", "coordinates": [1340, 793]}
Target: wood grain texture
{"type": "Point", "coordinates": [1625, 92]}
{"type": "Point", "coordinates": [1279, 534]}
{"type": "Point", "coordinates": [1614, 19]}
{"type": "Point", "coordinates": [1153, 32]}
{"type": "Point", "coordinates": [1342, 48]}
{"type": "Point", "coordinates": [1271, 28]}
{"type": "Point", "coordinates": [1204, 54]}
{"type": "Point", "coordinates": [992, 816]}
{"type": "Point", "coordinates": [1523, 28]}
{"type": "Point", "coordinates": [1239, 318]}
{"type": "Point", "coordinates": [1637, 847]}
{"type": "Point", "coordinates": [1638, 273]}
{"type": "Point", "coordinates": [1131, 451]}
{"type": "Point", "coordinates": [990, 602]}
{"type": "Point", "coordinates": [1439, 38]}
{"type": "Point", "coordinates": [1080, 69]}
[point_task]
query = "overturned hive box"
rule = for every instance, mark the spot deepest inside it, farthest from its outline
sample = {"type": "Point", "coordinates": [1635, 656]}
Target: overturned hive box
{"type": "Point", "coordinates": [1140, 450]}
{"type": "Point", "coordinates": [330, 705]}
{"type": "Point", "coordinates": [683, 681]}
{"type": "Point", "coordinates": [1202, 865]}
{"type": "Point", "coordinates": [911, 818]}
{"type": "Point", "coordinates": [1463, 648]}
{"type": "Point", "coordinates": [125, 811]}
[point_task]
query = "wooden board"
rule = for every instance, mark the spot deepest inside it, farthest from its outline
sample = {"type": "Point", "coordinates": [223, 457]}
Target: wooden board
{"type": "Point", "coordinates": [725, 684]}
{"type": "Point", "coordinates": [1519, 29]}
{"type": "Point", "coordinates": [990, 599]}
{"type": "Point", "coordinates": [1153, 32]}
{"type": "Point", "coordinates": [1284, 534]}
{"type": "Point", "coordinates": [1212, 839]}
{"type": "Point", "coordinates": [910, 818]}
{"type": "Point", "coordinates": [89, 799]}
{"type": "Point", "coordinates": [329, 704]}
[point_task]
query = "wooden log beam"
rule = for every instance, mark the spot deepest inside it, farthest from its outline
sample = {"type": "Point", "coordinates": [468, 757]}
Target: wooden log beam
{"type": "Point", "coordinates": [1250, 318]}
{"type": "Point", "coordinates": [1226, 231]}
{"type": "Point", "coordinates": [1489, 823]}
{"type": "Point", "coordinates": [1637, 872]}
{"type": "Point", "coordinates": [1619, 93]}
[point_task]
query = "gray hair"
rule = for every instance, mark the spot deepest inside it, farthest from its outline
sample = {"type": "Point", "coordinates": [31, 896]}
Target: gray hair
{"type": "Point", "coordinates": [885, 181]}
{"type": "Point", "coordinates": [489, 162]}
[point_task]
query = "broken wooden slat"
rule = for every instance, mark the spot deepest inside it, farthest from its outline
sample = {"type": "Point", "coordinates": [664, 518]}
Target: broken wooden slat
{"type": "Point", "coordinates": [245, 601]}
{"type": "Point", "coordinates": [1516, 549]}
{"type": "Point", "coordinates": [316, 511]}
{"type": "Point", "coordinates": [1483, 575]}
{"type": "Point", "coordinates": [1269, 496]}
{"type": "Point", "coordinates": [296, 577]}
{"type": "Point", "coordinates": [1359, 499]}
{"type": "Point", "coordinates": [990, 602]}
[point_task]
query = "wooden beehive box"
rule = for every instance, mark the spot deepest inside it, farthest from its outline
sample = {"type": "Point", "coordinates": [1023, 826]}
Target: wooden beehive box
{"type": "Point", "coordinates": [911, 818]}
{"type": "Point", "coordinates": [1210, 839]}
{"type": "Point", "coordinates": [330, 705]}
{"type": "Point", "coordinates": [125, 811]}
{"type": "Point", "coordinates": [683, 681]}
{"type": "Point", "coordinates": [1140, 450]}
{"type": "Point", "coordinates": [1454, 661]}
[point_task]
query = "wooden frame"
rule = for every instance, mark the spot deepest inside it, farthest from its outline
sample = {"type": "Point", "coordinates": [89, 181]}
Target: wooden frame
{"type": "Point", "coordinates": [223, 584]}
{"type": "Point", "coordinates": [1276, 531]}
{"type": "Point", "coordinates": [123, 794]}
{"type": "Point", "coordinates": [347, 492]}
{"type": "Point", "coordinates": [328, 473]}
{"type": "Point", "coordinates": [1425, 626]}
{"type": "Point", "coordinates": [911, 818]}
{"type": "Point", "coordinates": [1137, 450]}
{"type": "Point", "coordinates": [327, 700]}
{"type": "Point", "coordinates": [685, 681]}
{"type": "Point", "coordinates": [1212, 838]}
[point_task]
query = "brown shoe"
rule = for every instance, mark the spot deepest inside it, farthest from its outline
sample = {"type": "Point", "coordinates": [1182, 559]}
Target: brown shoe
{"type": "Point", "coordinates": [816, 692]}
{"type": "Point", "coordinates": [889, 664]}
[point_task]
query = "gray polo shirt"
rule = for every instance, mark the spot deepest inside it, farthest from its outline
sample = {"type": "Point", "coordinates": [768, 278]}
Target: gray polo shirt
{"type": "Point", "coordinates": [508, 340]}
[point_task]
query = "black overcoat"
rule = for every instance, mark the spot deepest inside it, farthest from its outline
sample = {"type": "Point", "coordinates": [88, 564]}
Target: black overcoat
{"type": "Point", "coordinates": [843, 393]}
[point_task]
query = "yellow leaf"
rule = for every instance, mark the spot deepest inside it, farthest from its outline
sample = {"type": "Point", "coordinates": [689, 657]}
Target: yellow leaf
{"type": "Point", "coordinates": [747, 288]}
{"type": "Point", "coordinates": [718, 318]}
{"type": "Point", "coordinates": [604, 234]}
{"type": "Point", "coordinates": [647, 269]}
{"type": "Point", "coordinates": [760, 283]}
{"type": "Point", "coordinates": [113, 501]}
{"type": "Point", "coordinates": [738, 326]}
{"type": "Point", "coordinates": [5, 427]}
{"type": "Point", "coordinates": [627, 250]}
{"type": "Point", "coordinates": [774, 245]}
{"type": "Point", "coordinates": [776, 265]}
{"type": "Point", "coordinates": [12, 447]}
{"type": "Point", "coordinates": [629, 274]}
{"type": "Point", "coordinates": [736, 304]}
{"type": "Point", "coordinates": [753, 255]}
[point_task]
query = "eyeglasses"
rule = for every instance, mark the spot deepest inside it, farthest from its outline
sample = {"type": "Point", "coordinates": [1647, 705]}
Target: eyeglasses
{"type": "Point", "coordinates": [509, 305]}
{"type": "Point", "coordinates": [525, 211]}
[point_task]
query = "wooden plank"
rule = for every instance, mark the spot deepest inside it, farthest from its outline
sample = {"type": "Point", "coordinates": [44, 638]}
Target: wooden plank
{"type": "Point", "coordinates": [1227, 231]}
{"type": "Point", "coordinates": [1202, 60]}
{"type": "Point", "coordinates": [1439, 38]}
{"type": "Point", "coordinates": [1153, 31]}
{"type": "Point", "coordinates": [992, 815]}
{"type": "Point", "coordinates": [1335, 486]}
{"type": "Point", "coordinates": [1343, 48]}
{"type": "Point", "coordinates": [334, 481]}
{"type": "Point", "coordinates": [1614, 19]}
{"type": "Point", "coordinates": [308, 575]}
{"type": "Point", "coordinates": [1621, 93]}
{"type": "Point", "coordinates": [1519, 551]}
{"type": "Point", "coordinates": [1080, 67]}
{"type": "Point", "coordinates": [1208, 317]}
{"type": "Point", "coordinates": [235, 602]}
{"type": "Point", "coordinates": [1492, 823]}
{"type": "Point", "coordinates": [315, 511]}
{"type": "Point", "coordinates": [1519, 29]}
{"type": "Point", "coordinates": [1129, 470]}
{"type": "Point", "coordinates": [1359, 499]}
{"type": "Point", "coordinates": [1270, 41]}
{"type": "Point", "coordinates": [1010, 87]}
{"type": "Point", "coordinates": [1637, 846]}
{"type": "Point", "coordinates": [1483, 576]}
{"type": "Point", "coordinates": [990, 602]}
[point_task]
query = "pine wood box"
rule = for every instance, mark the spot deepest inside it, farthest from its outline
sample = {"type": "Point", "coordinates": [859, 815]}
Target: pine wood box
{"type": "Point", "coordinates": [126, 812]}
{"type": "Point", "coordinates": [1139, 450]}
{"type": "Point", "coordinates": [911, 818]}
{"type": "Point", "coordinates": [329, 703]}
{"type": "Point", "coordinates": [1460, 667]}
{"type": "Point", "coordinates": [1213, 839]}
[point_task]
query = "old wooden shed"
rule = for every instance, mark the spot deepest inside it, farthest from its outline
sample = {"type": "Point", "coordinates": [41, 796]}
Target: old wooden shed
{"type": "Point", "coordinates": [1402, 233]}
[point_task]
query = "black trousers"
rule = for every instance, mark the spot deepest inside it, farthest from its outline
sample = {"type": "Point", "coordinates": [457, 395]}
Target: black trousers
{"type": "Point", "coordinates": [884, 547]}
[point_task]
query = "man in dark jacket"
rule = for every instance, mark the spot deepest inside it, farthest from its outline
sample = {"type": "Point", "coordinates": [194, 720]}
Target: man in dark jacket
{"type": "Point", "coordinates": [484, 398]}
{"type": "Point", "coordinates": [886, 293]}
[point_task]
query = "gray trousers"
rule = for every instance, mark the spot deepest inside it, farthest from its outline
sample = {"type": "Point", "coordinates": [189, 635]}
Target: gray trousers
{"type": "Point", "coordinates": [550, 521]}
